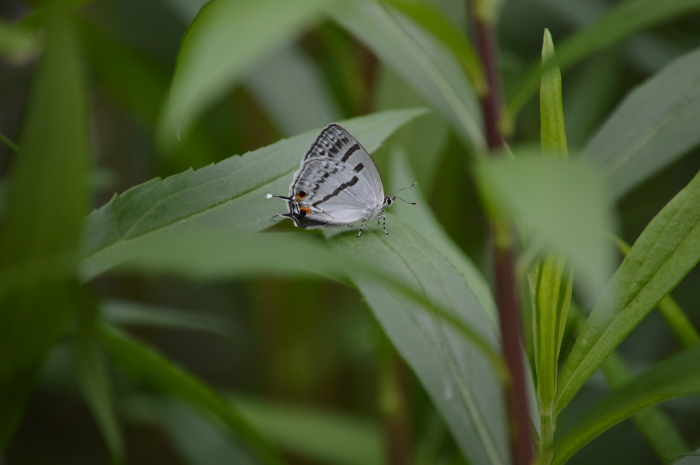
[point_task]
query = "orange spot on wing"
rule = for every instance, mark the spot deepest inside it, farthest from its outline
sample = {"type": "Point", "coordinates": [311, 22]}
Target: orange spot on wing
{"type": "Point", "coordinates": [301, 195]}
{"type": "Point", "coordinates": [305, 210]}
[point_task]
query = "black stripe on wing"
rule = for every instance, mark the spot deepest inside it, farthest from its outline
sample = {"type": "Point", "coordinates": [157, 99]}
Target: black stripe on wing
{"type": "Point", "coordinates": [333, 142]}
{"type": "Point", "coordinates": [337, 191]}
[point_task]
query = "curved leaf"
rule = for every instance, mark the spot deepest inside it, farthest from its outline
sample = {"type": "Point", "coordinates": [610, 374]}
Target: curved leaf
{"type": "Point", "coordinates": [652, 127]}
{"type": "Point", "coordinates": [229, 194]}
{"type": "Point", "coordinates": [665, 252]}
{"type": "Point", "coordinates": [225, 39]}
{"type": "Point", "coordinates": [289, 86]}
{"type": "Point", "coordinates": [460, 379]}
{"type": "Point", "coordinates": [419, 59]}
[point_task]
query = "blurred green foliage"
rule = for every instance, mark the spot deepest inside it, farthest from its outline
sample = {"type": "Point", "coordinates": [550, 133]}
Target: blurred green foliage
{"type": "Point", "coordinates": [164, 328]}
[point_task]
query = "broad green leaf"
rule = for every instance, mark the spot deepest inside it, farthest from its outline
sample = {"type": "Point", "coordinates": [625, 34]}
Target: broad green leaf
{"type": "Point", "coordinates": [619, 23]}
{"type": "Point", "coordinates": [652, 127]}
{"type": "Point", "coordinates": [562, 204]}
{"type": "Point", "coordinates": [550, 281]}
{"type": "Point", "coordinates": [322, 435]}
{"type": "Point", "coordinates": [460, 379]}
{"type": "Point", "coordinates": [663, 254]}
{"type": "Point", "coordinates": [652, 422]}
{"type": "Point", "coordinates": [94, 379]}
{"type": "Point", "coordinates": [46, 200]}
{"type": "Point", "coordinates": [229, 194]}
{"type": "Point", "coordinates": [675, 377]}
{"type": "Point", "coordinates": [419, 58]}
{"type": "Point", "coordinates": [426, 224]}
{"type": "Point", "coordinates": [149, 369]}
{"type": "Point", "coordinates": [131, 313]}
{"type": "Point", "coordinates": [225, 39]}
{"type": "Point", "coordinates": [290, 87]}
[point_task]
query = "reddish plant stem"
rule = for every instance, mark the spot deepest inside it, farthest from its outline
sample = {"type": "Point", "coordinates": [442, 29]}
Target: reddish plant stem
{"type": "Point", "coordinates": [506, 286]}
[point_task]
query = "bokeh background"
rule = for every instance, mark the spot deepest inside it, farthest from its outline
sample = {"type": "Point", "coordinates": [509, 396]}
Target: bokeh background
{"type": "Point", "coordinates": [297, 350]}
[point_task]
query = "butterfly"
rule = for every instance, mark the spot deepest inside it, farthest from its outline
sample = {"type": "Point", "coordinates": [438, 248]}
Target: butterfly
{"type": "Point", "coordinates": [337, 184]}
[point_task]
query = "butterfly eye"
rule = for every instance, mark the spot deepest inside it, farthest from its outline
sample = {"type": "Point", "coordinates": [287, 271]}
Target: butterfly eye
{"type": "Point", "coordinates": [301, 194]}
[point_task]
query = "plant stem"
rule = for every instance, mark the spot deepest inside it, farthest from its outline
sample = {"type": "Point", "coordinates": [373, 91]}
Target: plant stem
{"type": "Point", "coordinates": [506, 288]}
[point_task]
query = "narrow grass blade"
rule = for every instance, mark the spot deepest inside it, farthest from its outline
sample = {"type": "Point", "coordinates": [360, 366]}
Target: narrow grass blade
{"type": "Point", "coordinates": [675, 377]}
{"type": "Point", "coordinates": [664, 253]}
{"type": "Point", "coordinates": [619, 23]}
{"type": "Point", "coordinates": [652, 422]}
{"type": "Point", "coordinates": [147, 368]}
{"type": "Point", "coordinates": [94, 379]}
{"type": "Point", "coordinates": [550, 281]}
{"type": "Point", "coordinates": [42, 219]}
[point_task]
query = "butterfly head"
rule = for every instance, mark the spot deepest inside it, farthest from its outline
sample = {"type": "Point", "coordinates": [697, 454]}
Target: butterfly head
{"type": "Point", "coordinates": [389, 199]}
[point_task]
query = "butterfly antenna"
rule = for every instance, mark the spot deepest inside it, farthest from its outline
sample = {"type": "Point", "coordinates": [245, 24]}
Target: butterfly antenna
{"type": "Point", "coordinates": [269, 196]}
{"type": "Point", "coordinates": [397, 190]}
{"type": "Point", "coordinates": [403, 188]}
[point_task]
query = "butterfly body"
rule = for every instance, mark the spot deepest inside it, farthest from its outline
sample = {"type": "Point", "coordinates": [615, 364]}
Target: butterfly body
{"type": "Point", "coordinates": [337, 184]}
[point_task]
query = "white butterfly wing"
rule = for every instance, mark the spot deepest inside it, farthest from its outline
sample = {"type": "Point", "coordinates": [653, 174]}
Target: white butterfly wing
{"type": "Point", "coordinates": [335, 143]}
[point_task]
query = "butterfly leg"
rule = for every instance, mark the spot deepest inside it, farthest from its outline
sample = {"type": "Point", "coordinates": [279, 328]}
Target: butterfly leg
{"type": "Point", "coordinates": [383, 224]}
{"type": "Point", "coordinates": [361, 226]}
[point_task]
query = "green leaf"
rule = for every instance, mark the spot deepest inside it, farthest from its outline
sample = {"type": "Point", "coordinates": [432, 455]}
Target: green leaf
{"type": "Point", "coordinates": [426, 224]}
{"type": "Point", "coordinates": [432, 20]}
{"type": "Point", "coordinates": [321, 435]}
{"type": "Point", "coordinates": [147, 368]}
{"type": "Point", "coordinates": [652, 127]}
{"type": "Point", "coordinates": [128, 313]}
{"type": "Point", "coordinates": [663, 254]}
{"type": "Point", "coordinates": [225, 39]}
{"type": "Point", "coordinates": [420, 59]}
{"type": "Point", "coordinates": [290, 87]}
{"type": "Point", "coordinates": [562, 205]}
{"type": "Point", "coordinates": [199, 441]}
{"type": "Point", "coordinates": [229, 194]}
{"type": "Point", "coordinates": [46, 200]}
{"type": "Point", "coordinates": [675, 377]}
{"type": "Point", "coordinates": [550, 282]}
{"type": "Point", "coordinates": [94, 379]}
{"type": "Point", "coordinates": [461, 380]}
{"type": "Point", "coordinates": [552, 127]}
{"type": "Point", "coordinates": [424, 141]}
{"type": "Point", "coordinates": [620, 22]}
{"type": "Point", "coordinates": [677, 320]}
{"type": "Point", "coordinates": [652, 422]}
